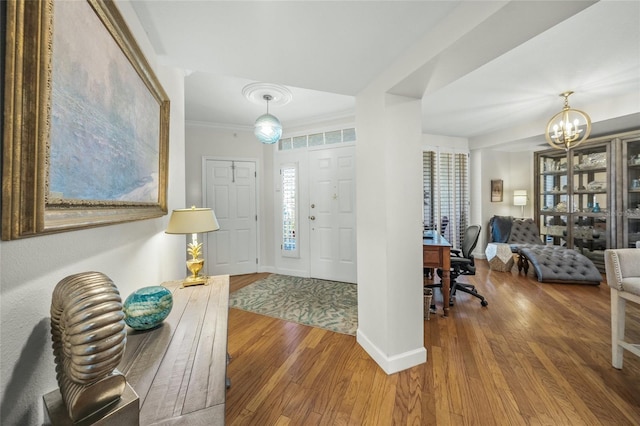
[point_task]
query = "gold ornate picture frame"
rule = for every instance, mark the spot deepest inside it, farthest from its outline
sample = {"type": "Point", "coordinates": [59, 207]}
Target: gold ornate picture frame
{"type": "Point", "coordinates": [86, 121]}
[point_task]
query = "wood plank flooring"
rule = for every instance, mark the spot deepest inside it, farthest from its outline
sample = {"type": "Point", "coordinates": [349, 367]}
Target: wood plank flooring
{"type": "Point", "coordinates": [539, 354]}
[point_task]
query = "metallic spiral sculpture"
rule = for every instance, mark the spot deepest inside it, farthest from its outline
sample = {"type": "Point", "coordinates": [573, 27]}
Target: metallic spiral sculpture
{"type": "Point", "coordinates": [89, 337]}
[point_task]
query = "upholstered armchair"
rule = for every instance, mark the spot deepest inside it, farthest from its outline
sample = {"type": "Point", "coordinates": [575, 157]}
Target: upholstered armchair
{"type": "Point", "coordinates": [623, 276]}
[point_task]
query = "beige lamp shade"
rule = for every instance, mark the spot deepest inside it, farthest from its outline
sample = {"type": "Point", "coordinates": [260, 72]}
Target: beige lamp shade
{"type": "Point", "coordinates": [520, 197]}
{"type": "Point", "coordinates": [192, 221]}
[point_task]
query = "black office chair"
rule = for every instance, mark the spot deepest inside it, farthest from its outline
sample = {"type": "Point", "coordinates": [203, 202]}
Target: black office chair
{"type": "Point", "coordinates": [462, 263]}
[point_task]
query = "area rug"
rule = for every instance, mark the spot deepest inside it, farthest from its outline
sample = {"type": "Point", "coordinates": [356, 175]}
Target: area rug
{"type": "Point", "coordinates": [330, 305]}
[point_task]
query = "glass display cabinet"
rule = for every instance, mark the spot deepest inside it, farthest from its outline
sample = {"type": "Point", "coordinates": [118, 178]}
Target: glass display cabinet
{"type": "Point", "coordinates": [588, 198]}
{"type": "Point", "coordinates": [575, 198]}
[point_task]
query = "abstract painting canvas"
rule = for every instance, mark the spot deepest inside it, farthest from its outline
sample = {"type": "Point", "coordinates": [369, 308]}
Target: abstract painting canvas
{"type": "Point", "coordinates": [104, 122]}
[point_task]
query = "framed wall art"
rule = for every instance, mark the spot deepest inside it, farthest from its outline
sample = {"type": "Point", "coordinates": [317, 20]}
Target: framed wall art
{"type": "Point", "coordinates": [86, 124]}
{"type": "Point", "coordinates": [496, 190]}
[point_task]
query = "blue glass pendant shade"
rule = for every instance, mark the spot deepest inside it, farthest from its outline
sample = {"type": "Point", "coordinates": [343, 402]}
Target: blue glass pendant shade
{"type": "Point", "coordinates": [268, 129]}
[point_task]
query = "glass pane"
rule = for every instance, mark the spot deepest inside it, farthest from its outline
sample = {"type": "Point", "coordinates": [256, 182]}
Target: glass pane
{"type": "Point", "coordinates": [349, 135]}
{"type": "Point", "coordinates": [285, 144]}
{"type": "Point", "coordinates": [317, 139]}
{"type": "Point", "coordinates": [632, 194]}
{"type": "Point", "coordinates": [289, 223]}
{"type": "Point", "coordinates": [299, 142]}
{"type": "Point", "coordinates": [590, 237]}
{"type": "Point", "coordinates": [333, 137]}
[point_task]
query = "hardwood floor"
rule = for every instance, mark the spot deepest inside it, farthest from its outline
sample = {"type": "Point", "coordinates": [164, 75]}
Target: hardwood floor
{"type": "Point", "coordinates": [538, 354]}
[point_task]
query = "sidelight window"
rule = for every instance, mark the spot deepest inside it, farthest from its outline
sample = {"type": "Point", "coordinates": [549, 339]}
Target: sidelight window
{"type": "Point", "coordinates": [289, 182]}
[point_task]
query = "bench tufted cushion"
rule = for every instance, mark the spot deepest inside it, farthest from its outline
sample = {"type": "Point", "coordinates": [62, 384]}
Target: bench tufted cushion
{"type": "Point", "coordinates": [560, 264]}
{"type": "Point", "coordinates": [524, 231]}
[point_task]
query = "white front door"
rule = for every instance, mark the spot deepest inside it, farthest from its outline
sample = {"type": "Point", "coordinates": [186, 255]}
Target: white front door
{"type": "Point", "coordinates": [230, 190]}
{"type": "Point", "coordinates": [332, 215]}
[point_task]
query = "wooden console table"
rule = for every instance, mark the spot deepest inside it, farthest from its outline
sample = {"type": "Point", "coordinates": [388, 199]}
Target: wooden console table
{"type": "Point", "coordinates": [179, 369]}
{"type": "Point", "coordinates": [436, 253]}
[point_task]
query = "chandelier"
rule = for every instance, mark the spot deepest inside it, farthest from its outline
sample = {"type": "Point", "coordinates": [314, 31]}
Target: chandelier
{"type": "Point", "coordinates": [568, 128]}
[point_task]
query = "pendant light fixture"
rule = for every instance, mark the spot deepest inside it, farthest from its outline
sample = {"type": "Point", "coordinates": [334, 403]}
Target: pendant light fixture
{"type": "Point", "coordinates": [268, 128]}
{"type": "Point", "coordinates": [568, 128]}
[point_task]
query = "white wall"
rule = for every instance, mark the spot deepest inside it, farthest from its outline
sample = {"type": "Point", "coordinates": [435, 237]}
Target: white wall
{"type": "Point", "coordinates": [515, 170]}
{"type": "Point", "coordinates": [133, 255]}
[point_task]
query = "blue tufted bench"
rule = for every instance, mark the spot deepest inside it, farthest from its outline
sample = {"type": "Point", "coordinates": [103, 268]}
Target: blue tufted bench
{"type": "Point", "coordinates": [551, 263]}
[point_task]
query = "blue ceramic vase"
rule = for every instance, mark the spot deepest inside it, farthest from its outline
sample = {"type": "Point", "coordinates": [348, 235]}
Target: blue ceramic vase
{"type": "Point", "coordinates": [147, 307]}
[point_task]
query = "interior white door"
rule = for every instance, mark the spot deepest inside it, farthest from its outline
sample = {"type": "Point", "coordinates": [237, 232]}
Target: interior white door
{"type": "Point", "coordinates": [230, 190]}
{"type": "Point", "coordinates": [332, 215]}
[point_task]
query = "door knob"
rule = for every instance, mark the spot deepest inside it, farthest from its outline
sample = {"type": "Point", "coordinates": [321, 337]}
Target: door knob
{"type": "Point", "coordinates": [312, 217]}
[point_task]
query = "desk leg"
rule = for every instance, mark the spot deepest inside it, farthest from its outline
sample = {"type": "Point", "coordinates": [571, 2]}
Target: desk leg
{"type": "Point", "coordinates": [446, 279]}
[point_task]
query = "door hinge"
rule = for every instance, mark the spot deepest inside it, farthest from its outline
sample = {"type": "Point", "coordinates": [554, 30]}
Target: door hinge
{"type": "Point", "coordinates": [256, 260]}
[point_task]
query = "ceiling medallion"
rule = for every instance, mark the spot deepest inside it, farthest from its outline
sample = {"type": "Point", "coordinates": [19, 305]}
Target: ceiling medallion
{"type": "Point", "coordinates": [256, 92]}
{"type": "Point", "coordinates": [267, 128]}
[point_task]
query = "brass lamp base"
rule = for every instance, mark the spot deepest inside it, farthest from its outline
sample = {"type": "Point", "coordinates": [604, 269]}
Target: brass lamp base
{"type": "Point", "coordinates": [197, 280]}
{"type": "Point", "coordinates": [195, 265]}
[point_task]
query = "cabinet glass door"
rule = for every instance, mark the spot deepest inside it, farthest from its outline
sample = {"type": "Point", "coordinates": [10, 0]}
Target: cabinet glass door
{"type": "Point", "coordinates": [590, 203]}
{"type": "Point", "coordinates": [553, 197]}
{"type": "Point", "coordinates": [631, 194]}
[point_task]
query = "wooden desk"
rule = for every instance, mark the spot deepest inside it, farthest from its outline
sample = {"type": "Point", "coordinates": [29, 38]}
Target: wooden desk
{"type": "Point", "coordinates": [179, 369]}
{"type": "Point", "coordinates": [436, 253]}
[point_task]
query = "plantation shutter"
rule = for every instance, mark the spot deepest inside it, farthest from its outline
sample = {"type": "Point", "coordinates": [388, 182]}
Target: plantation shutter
{"type": "Point", "coordinates": [446, 194]}
{"type": "Point", "coordinates": [428, 181]}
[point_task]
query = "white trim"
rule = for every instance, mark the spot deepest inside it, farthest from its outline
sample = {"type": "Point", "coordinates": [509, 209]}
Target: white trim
{"type": "Point", "coordinates": [320, 124]}
{"type": "Point", "coordinates": [296, 266]}
{"type": "Point", "coordinates": [226, 126]}
{"type": "Point", "coordinates": [292, 127]}
{"type": "Point", "coordinates": [395, 363]}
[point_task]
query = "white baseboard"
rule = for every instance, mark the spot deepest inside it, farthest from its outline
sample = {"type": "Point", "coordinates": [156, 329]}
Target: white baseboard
{"type": "Point", "coordinates": [395, 363]}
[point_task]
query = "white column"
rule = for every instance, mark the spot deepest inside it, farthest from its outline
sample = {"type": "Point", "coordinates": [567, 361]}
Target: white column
{"type": "Point", "coordinates": [389, 217]}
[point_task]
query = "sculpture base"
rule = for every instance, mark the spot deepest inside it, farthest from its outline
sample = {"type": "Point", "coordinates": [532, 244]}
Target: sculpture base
{"type": "Point", "coordinates": [126, 411]}
{"type": "Point", "coordinates": [195, 281]}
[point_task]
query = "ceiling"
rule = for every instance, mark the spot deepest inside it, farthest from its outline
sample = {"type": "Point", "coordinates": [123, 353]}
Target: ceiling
{"type": "Point", "coordinates": [487, 71]}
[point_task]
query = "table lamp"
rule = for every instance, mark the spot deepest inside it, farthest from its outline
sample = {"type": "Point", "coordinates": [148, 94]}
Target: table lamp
{"type": "Point", "coordinates": [520, 199]}
{"type": "Point", "coordinates": [193, 221]}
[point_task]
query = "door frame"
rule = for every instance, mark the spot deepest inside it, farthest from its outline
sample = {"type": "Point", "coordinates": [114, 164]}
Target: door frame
{"type": "Point", "coordinates": [300, 266]}
{"type": "Point", "coordinates": [258, 194]}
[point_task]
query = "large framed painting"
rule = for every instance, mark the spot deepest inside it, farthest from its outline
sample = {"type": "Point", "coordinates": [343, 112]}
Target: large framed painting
{"type": "Point", "coordinates": [86, 121]}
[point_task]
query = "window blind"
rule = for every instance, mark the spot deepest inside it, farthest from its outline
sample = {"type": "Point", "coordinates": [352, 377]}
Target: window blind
{"type": "Point", "coordinates": [446, 194]}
